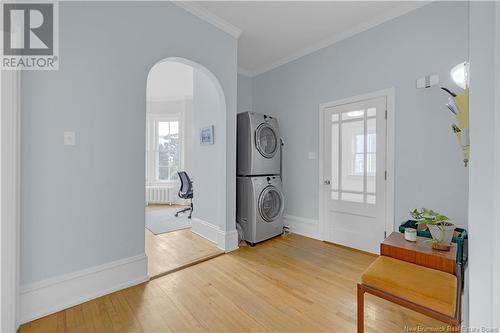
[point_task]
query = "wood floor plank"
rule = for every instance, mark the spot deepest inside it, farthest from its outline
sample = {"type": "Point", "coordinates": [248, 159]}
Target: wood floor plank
{"type": "Point", "coordinates": [171, 251]}
{"type": "Point", "coordinates": [49, 324]}
{"type": "Point", "coordinates": [100, 317]}
{"type": "Point", "coordinates": [146, 313]}
{"type": "Point", "coordinates": [75, 320]}
{"type": "Point", "coordinates": [223, 308]}
{"type": "Point", "coordinates": [288, 284]}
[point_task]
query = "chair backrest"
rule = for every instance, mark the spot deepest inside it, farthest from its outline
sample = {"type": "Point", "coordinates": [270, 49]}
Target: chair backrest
{"type": "Point", "coordinates": [186, 185]}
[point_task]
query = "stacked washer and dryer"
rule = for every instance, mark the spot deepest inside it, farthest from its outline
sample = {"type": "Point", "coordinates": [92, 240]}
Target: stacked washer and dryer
{"type": "Point", "coordinates": [259, 196]}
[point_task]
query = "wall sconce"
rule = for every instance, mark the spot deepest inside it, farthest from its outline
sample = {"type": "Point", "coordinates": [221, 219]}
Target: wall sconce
{"type": "Point", "coordinates": [458, 104]}
{"type": "Point", "coordinates": [460, 75]}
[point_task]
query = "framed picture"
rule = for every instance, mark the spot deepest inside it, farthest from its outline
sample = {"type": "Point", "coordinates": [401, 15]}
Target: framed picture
{"type": "Point", "coordinates": [207, 135]}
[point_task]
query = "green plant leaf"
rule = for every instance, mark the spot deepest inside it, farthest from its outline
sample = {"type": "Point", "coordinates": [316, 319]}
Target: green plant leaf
{"type": "Point", "coordinates": [429, 216]}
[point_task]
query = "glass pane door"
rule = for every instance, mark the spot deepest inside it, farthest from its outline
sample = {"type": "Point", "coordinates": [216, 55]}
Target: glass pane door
{"type": "Point", "coordinates": [353, 153]}
{"type": "Point", "coordinates": [354, 187]}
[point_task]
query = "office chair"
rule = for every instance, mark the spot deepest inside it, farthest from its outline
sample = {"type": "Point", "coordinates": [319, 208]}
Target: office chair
{"type": "Point", "coordinates": [185, 192]}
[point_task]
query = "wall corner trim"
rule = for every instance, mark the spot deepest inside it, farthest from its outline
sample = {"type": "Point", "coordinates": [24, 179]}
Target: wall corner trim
{"type": "Point", "coordinates": [227, 241]}
{"type": "Point", "coordinates": [204, 229]}
{"type": "Point", "coordinates": [10, 184]}
{"type": "Point", "coordinates": [208, 17]}
{"type": "Point", "coordinates": [45, 297]}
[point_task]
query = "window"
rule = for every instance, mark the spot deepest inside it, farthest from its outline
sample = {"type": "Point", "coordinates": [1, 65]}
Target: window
{"type": "Point", "coordinates": [169, 150]}
{"type": "Point", "coordinates": [164, 148]}
{"type": "Point", "coordinates": [371, 155]}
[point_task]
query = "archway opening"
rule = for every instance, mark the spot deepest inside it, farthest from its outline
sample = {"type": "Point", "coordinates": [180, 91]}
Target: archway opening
{"type": "Point", "coordinates": [184, 165]}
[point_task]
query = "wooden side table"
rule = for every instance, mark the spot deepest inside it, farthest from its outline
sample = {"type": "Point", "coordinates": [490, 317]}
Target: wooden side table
{"type": "Point", "coordinates": [419, 252]}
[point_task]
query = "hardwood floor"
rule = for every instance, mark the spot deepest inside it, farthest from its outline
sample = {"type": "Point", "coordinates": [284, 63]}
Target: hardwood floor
{"type": "Point", "coordinates": [288, 284]}
{"type": "Point", "coordinates": [175, 250]}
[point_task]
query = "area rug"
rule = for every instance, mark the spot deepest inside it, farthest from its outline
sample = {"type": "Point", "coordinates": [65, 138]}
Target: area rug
{"type": "Point", "coordinates": [163, 220]}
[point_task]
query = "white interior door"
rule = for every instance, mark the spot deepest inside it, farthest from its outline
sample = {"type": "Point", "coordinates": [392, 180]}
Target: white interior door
{"type": "Point", "coordinates": [354, 173]}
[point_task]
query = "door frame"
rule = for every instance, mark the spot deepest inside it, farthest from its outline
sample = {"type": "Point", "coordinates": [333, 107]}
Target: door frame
{"type": "Point", "coordinates": [496, 185]}
{"type": "Point", "coordinates": [10, 167]}
{"type": "Point", "coordinates": [389, 94]}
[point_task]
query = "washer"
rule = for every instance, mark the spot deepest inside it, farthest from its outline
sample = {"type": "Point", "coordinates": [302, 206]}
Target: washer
{"type": "Point", "coordinates": [259, 207]}
{"type": "Point", "coordinates": [258, 145]}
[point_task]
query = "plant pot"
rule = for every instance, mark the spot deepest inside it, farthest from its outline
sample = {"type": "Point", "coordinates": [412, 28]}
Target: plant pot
{"type": "Point", "coordinates": [442, 234]}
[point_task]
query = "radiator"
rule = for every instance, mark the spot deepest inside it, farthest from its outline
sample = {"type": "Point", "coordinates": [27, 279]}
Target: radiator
{"type": "Point", "coordinates": [160, 194]}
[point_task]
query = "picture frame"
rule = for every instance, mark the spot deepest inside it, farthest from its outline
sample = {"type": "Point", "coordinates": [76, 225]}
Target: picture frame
{"type": "Point", "coordinates": [207, 135]}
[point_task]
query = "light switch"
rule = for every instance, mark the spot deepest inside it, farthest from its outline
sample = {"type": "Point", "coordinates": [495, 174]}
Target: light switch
{"type": "Point", "coordinates": [312, 155]}
{"type": "Point", "coordinates": [427, 81]}
{"type": "Point", "coordinates": [69, 138]}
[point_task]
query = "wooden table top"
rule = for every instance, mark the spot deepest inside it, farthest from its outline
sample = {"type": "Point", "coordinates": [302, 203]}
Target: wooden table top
{"type": "Point", "coordinates": [423, 245]}
{"type": "Point", "coordinates": [419, 252]}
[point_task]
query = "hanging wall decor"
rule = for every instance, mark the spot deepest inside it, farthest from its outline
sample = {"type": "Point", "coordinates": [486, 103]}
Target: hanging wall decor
{"type": "Point", "coordinates": [458, 104]}
{"type": "Point", "coordinates": [207, 135]}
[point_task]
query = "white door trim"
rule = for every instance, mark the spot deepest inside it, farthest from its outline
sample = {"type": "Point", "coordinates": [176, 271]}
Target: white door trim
{"type": "Point", "coordinates": [10, 131]}
{"type": "Point", "coordinates": [390, 96]}
{"type": "Point", "coordinates": [496, 213]}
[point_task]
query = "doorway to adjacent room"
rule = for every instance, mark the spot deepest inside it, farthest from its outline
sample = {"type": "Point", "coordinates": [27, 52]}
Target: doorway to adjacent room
{"type": "Point", "coordinates": [170, 197]}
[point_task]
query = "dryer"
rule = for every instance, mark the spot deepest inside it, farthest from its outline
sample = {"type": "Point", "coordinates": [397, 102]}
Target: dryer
{"type": "Point", "coordinates": [258, 145]}
{"type": "Point", "coordinates": [259, 208]}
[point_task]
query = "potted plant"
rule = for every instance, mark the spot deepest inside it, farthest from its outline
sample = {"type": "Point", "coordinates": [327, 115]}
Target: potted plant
{"type": "Point", "coordinates": [439, 225]}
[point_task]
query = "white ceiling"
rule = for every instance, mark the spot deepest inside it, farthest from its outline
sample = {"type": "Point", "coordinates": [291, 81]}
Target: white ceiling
{"type": "Point", "coordinates": [276, 32]}
{"type": "Point", "coordinates": [170, 81]}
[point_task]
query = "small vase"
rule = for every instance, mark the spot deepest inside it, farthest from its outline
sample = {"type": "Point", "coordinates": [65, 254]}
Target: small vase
{"type": "Point", "coordinates": [442, 234]}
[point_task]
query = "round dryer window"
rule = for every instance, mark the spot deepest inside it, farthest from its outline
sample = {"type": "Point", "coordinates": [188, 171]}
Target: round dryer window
{"type": "Point", "coordinates": [266, 140]}
{"type": "Point", "coordinates": [270, 204]}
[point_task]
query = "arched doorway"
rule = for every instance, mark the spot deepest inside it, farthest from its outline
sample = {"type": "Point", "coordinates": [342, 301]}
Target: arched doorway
{"type": "Point", "coordinates": [184, 100]}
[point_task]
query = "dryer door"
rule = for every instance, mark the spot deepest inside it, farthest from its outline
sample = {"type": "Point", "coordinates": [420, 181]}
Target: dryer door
{"type": "Point", "coordinates": [270, 204]}
{"type": "Point", "coordinates": [266, 140]}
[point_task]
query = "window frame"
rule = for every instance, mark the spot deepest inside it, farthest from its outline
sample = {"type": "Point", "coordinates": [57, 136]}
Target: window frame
{"type": "Point", "coordinates": [152, 141]}
{"type": "Point", "coordinates": [355, 153]}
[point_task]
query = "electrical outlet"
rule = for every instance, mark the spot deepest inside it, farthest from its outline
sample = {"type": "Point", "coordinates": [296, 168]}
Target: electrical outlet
{"type": "Point", "coordinates": [311, 155]}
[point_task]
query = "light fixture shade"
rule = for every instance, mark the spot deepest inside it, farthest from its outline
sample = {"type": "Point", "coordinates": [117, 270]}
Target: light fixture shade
{"type": "Point", "coordinates": [460, 74]}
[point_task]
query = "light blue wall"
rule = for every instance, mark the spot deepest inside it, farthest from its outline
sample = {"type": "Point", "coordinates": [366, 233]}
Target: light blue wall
{"type": "Point", "coordinates": [244, 93]}
{"type": "Point", "coordinates": [428, 163]}
{"type": "Point", "coordinates": [83, 206]}
{"type": "Point", "coordinates": [484, 115]}
{"type": "Point", "coordinates": [207, 174]}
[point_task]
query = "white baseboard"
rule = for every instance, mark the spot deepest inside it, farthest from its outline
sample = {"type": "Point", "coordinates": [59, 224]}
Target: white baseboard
{"type": "Point", "coordinates": [205, 229]}
{"type": "Point", "coordinates": [48, 296]}
{"type": "Point", "coordinates": [226, 241]}
{"type": "Point", "coordinates": [303, 226]}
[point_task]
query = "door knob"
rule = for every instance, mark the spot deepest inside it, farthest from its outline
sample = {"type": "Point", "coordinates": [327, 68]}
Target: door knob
{"type": "Point", "coordinates": [326, 182]}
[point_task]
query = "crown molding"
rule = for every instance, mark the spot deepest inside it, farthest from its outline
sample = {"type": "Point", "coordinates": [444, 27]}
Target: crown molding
{"type": "Point", "coordinates": [208, 17]}
{"type": "Point", "coordinates": [389, 15]}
